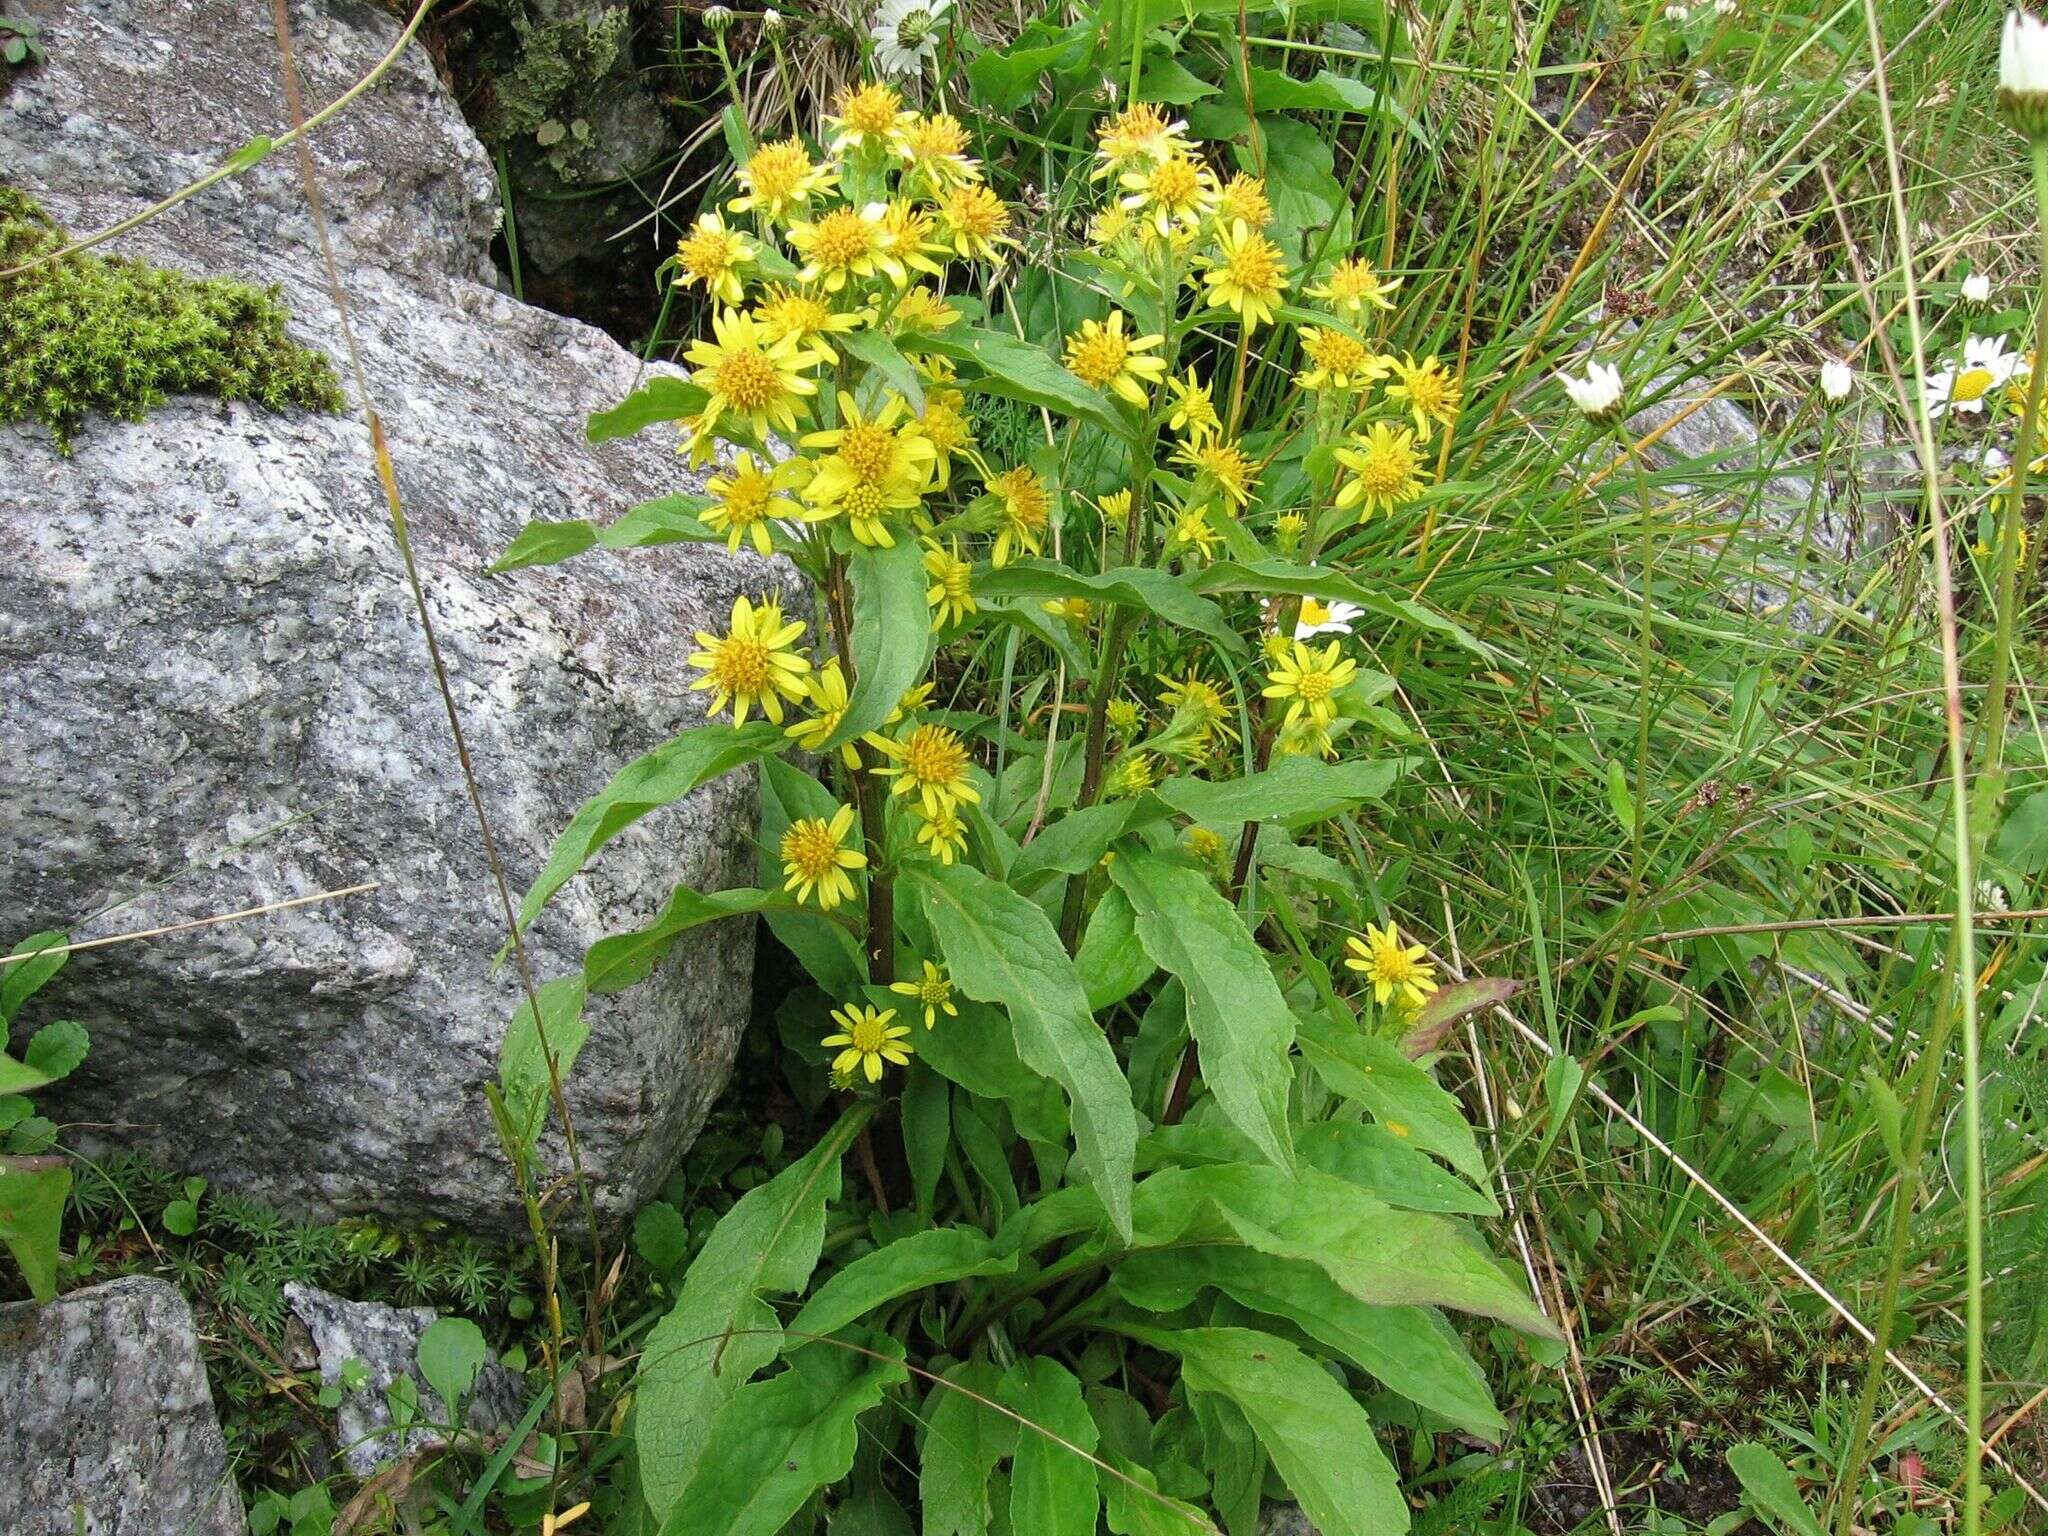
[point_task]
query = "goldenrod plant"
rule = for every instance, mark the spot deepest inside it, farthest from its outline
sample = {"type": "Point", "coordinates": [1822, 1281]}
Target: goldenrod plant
{"type": "Point", "coordinates": [1150, 1197]}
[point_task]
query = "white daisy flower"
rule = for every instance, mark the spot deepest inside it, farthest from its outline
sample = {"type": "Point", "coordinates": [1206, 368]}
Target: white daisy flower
{"type": "Point", "coordinates": [1320, 618]}
{"type": "Point", "coordinates": [1598, 392]}
{"type": "Point", "coordinates": [1675, 13]}
{"type": "Point", "coordinates": [1836, 379]}
{"type": "Point", "coordinates": [1986, 365]}
{"type": "Point", "coordinates": [1976, 288]}
{"type": "Point", "coordinates": [905, 34]}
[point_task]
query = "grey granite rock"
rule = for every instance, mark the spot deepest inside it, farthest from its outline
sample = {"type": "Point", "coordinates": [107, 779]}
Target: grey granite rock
{"type": "Point", "coordinates": [221, 698]}
{"type": "Point", "coordinates": [385, 1340]}
{"type": "Point", "coordinates": [110, 1427]}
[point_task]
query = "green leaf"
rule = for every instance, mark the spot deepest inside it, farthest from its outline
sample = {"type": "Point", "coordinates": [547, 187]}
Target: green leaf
{"type": "Point", "coordinates": [1271, 578]}
{"type": "Point", "coordinates": [1295, 790]}
{"type": "Point", "coordinates": [1002, 949]}
{"type": "Point", "coordinates": [1447, 1005]}
{"type": "Point", "coordinates": [1619, 799]}
{"type": "Point", "coordinates": [523, 1060]}
{"type": "Point", "coordinates": [977, 1051]}
{"type": "Point", "coordinates": [16, 1078]}
{"type": "Point", "coordinates": [56, 1049]}
{"type": "Point", "coordinates": [24, 978]}
{"type": "Point", "coordinates": [665, 520]}
{"type": "Point", "coordinates": [880, 354]}
{"type": "Point", "coordinates": [1326, 91]}
{"type": "Point", "coordinates": [1400, 1095]}
{"type": "Point", "coordinates": [1389, 1169]}
{"type": "Point", "coordinates": [1411, 1349]}
{"type": "Point", "coordinates": [649, 782]}
{"type": "Point", "coordinates": [1235, 1011]}
{"type": "Point", "coordinates": [912, 1263]}
{"type": "Point", "coordinates": [662, 398]}
{"type": "Point", "coordinates": [1017, 370]}
{"type": "Point", "coordinates": [1052, 1485]}
{"type": "Point", "coordinates": [1320, 1440]}
{"type": "Point", "coordinates": [1111, 963]}
{"type": "Point", "coordinates": [964, 1439]}
{"type": "Point", "coordinates": [1134, 1506]}
{"type": "Point", "coordinates": [1167, 80]}
{"type": "Point", "coordinates": [1889, 1114]}
{"type": "Point", "coordinates": [32, 1195]}
{"type": "Point", "coordinates": [721, 1329]}
{"type": "Point", "coordinates": [661, 1237]}
{"type": "Point", "coordinates": [891, 642]}
{"type": "Point", "coordinates": [927, 1130]}
{"type": "Point", "coordinates": [451, 1353]}
{"type": "Point", "coordinates": [1770, 1487]}
{"type": "Point", "coordinates": [623, 958]}
{"type": "Point", "coordinates": [827, 951]}
{"type": "Point", "coordinates": [181, 1218]}
{"type": "Point", "coordinates": [777, 1441]}
{"type": "Point", "coordinates": [1562, 1079]}
{"type": "Point", "coordinates": [250, 154]}
{"type": "Point", "coordinates": [544, 543]}
{"type": "Point", "coordinates": [1077, 841]}
{"type": "Point", "coordinates": [1159, 593]}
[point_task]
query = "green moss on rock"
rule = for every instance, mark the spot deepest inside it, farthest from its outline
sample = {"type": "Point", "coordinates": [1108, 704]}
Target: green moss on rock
{"type": "Point", "coordinates": [91, 333]}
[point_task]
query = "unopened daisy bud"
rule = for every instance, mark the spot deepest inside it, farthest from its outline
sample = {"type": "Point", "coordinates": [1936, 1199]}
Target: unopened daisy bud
{"type": "Point", "coordinates": [717, 18]}
{"type": "Point", "coordinates": [771, 22]}
{"type": "Point", "coordinates": [1598, 394]}
{"type": "Point", "coordinates": [1836, 379]}
{"type": "Point", "coordinates": [1288, 529]}
{"type": "Point", "coordinates": [1976, 288]}
{"type": "Point", "coordinates": [2023, 76]}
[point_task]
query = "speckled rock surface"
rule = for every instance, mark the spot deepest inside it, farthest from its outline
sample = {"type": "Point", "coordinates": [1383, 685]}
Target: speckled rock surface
{"type": "Point", "coordinates": [109, 1424]}
{"type": "Point", "coordinates": [220, 697]}
{"type": "Point", "coordinates": [386, 1340]}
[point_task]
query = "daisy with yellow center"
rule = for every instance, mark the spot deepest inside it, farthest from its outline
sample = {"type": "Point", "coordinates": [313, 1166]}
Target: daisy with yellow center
{"type": "Point", "coordinates": [826, 687]}
{"type": "Point", "coordinates": [780, 179]}
{"type": "Point", "coordinates": [1427, 388]}
{"type": "Point", "coordinates": [870, 1038]}
{"type": "Point", "coordinates": [1247, 275]}
{"type": "Point", "coordinates": [816, 858]}
{"type": "Point", "coordinates": [974, 223]}
{"type": "Point", "coordinates": [1178, 192]}
{"type": "Point", "coordinates": [942, 835]}
{"type": "Point", "coordinates": [876, 467]}
{"type": "Point", "coordinates": [933, 992]}
{"type": "Point", "coordinates": [907, 235]}
{"type": "Point", "coordinates": [747, 498]}
{"type": "Point", "coordinates": [749, 375]}
{"type": "Point", "coordinates": [1396, 970]}
{"type": "Point", "coordinates": [1310, 681]}
{"type": "Point", "coordinates": [1139, 134]}
{"type": "Point", "coordinates": [752, 663]}
{"type": "Point", "coordinates": [945, 426]}
{"type": "Point", "coordinates": [951, 594]}
{"type": "Point", "coordinates": [1354, 287]}
{"type": "Point", "coordinates": [870, 116]}
{"type": "Point", "coordinates": [928, 763]}
{"type": "Point", "coordinates": [1222, 464]}
{"type": "Point", "coordinates": [845, 244]}
{"type": "Point", "coordinates": [1100, 355]}
{"type": "Point", "coordinates": [1243, 200]}
{"type": "Point", "coordinates": [1338, 360]}
{"type": "Point", "coordinates": [1386, 470]}
{"type": "Point", "coordinates": [1026, 508]}
{"type": "Point", "coordinates": [1199, 702]}
{"type": "Point", "coordinates": [934, 151]}
{"type": "Point", "coordinates": [791, 314]}
{"type": "Point", "coordinates": [1194, 409]}
{"type": "Point", "coordinates": [715, 256]}
{"type": "Point", "coordinates": [1192, 536]}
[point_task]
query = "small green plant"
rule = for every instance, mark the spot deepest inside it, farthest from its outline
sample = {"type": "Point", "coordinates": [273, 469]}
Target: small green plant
{"type": "Point", "coordinates": [35, 1179]}
{"type": "Point", "coordinates": [21, 41]}
{"type": "Point", "coordinates": [84, 333]}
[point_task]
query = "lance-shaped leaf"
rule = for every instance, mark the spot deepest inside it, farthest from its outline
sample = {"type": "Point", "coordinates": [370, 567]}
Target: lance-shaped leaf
{"type": "Point", "coordinates": [523, 1055]}
{"type": "Point", "coordinates": [1276, 577]}
{"type": "Point", "coordinates": [911, 1263]}
{"type": "Point", "coordinates": [1402, 1097]}
{"type": "Point", "coordinates": [891, 644]}
{"type": "Point", "coordinates": [1016, 370]}
{"type": "Point", "coordinates": [624, 958]}
{"type": "Point", "coordinates": [1128, 586]}
{"type": "Point", "coordinates": [964, 1438]}
{"type": "Point", "coordinates": [1295, 790]}
{"type": "Point", "coordinates": [1052, 1481]}
{"type": "Point", "coordinates": [662, 398]}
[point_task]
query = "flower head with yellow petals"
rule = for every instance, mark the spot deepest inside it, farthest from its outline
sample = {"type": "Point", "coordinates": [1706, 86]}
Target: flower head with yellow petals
{"type": "Point", "coordinates": [1396, 970]}
{"type": "Point", "coordinates": [1101, 355]}
{"type": "Point", "coordinates": [752, 663]}
{"type": "Point", "coordinates": [816, 859]}
{"type": "Point", "coordinates": [869, 1039]}
{"type": "Point", "coordinates": [932, 991]}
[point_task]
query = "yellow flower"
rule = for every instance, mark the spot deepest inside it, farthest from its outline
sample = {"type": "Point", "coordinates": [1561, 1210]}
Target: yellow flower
{"type": "Point", "coordinates": [1386, 470]}
{"type": "Point", "coordinates": [1027, 507]}
{"type": "Point", "coordinates": [1204, 844]}
{"type": "Point", "coordinates": [934, 150]}
{"type": "Point", "coordinates": [1123, 717]}
{"type": "Point", "coordinates": [779, 179]}
{"type": "Point", "coordinates": [1338, 360]}
{"type": "Point", "coordinates": [1193, 535]}
{"type": "Point", "coordinates": [749, 375]}
{"type": "Point", "coordinates": [1139, 133]}
{"type": "Point", "coordinates": [826, 687]}
{"type": "Point", "coordinates": [919, 309]}
{"type": "Point", "coordinates": [1429, 390]}
{"type": "Point", "coordinates": [1132, 775]}
{"type": "Point", "coordinates": [713, 255]}
{"type": "Point", "coordinates": [1109, 225]}
{"type": "Point", "coordinates": [552, 1523]}
{"type": "Point", "coordinates": [943, 835]}
{"type": "Point", "coordinates": [1199, 702]}
{"type": "Point", "coordinates": [744, 501]}
{"type": "Point", "coordinates": [1222, 464]}
{"type": "Point", "coordinates": [1353, 286]}
{"type": "Point", "coordinates": [951, 593]}
{"type": "Point", "coordinates": [791, 314]}
{"type": "Point", "coordinates": [1103, 357]}
{"type": "Point", "coordinates": [1243, 200]}
{"type": "Point", "coordinates": [974, 222]}
{"type": "Point", "coordinates": [1394, 969]}
{"type": "Point", "coordinates": [1194, 411]}
{"type": "Point", "coordinates": [1248, 274]}
{"type": "Point", "coordinates": [1310, 681]}
{"type": "Point", "coordinates": [931, 989]}
{"type": "Point", "coordinates": [1306, 737]}
{"type": "Point", "coordinates": [928, 763]}
{"type": "Point", "coordinates": [870, 1040]}
{"type": "Point", "coordinates": [1073, 609]}
{"type": "Point", "coordinates": [1178, 192]}
{"type": "Point", "coordinates": [1116, 507]}
{"type": "Point", "coordinates": [816, 858]}
{"type": "Point", "coordinates": [945, 426]}
{"type": "Point", "coordinates": [844, 244]}
{"type": "Point", "coordinates": [751, 663]}
{"type": "Point", "coordinates": [870, 115]}
{"type": "Point", "coordinates": [907, 232]}
{"type": "Point", "coordinates": [1289, 528]}
{"type": "Point", "coordinates": [875, 468]}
